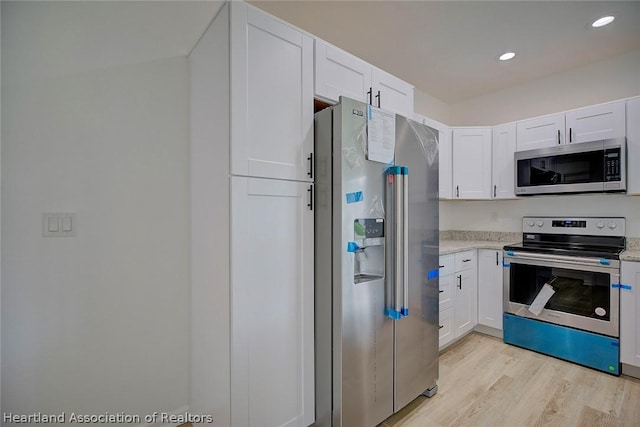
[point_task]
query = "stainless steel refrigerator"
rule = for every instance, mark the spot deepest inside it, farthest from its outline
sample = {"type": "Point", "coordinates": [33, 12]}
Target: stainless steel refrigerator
{"type": "Point", "coordinates": [376, 283]}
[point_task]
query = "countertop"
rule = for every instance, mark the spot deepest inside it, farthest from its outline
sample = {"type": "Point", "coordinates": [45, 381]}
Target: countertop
{"type": "Point", "coordinates": [628, 255]}
{"type": "Point", "coordinates": [453, 246]}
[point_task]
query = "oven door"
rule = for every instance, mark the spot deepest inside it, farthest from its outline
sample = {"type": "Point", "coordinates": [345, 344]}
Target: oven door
{"type": "Point", "coordinates": [585, 295]}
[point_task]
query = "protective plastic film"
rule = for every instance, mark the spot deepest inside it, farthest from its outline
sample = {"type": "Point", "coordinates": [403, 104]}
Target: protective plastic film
{"type": "Point", "coordinates": [428, 139]}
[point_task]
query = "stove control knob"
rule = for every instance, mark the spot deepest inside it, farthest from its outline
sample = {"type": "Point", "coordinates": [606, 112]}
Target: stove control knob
{"type": "Point", "coordinates": [530, 223]}
{"type": "Point", "coordinates": [612, 225]}
{"type": "Point", "coordinates": [600, 224]}
{"type": "Point", "coordinates": [539, 223]}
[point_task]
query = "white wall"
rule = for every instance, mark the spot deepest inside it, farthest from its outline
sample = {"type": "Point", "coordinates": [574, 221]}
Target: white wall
{"type": "Point", "coordinates": [431, 107]}
{"type": "Point", "coordinates": [99, 322]}
{"type": "Point", "coordinates": [608, 80]}
{"type": "Point", "coordinates": [506, 215]}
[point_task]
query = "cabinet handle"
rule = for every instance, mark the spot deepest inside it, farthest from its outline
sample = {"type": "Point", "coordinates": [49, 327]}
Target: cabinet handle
{"type": "Point", "coordinates": [441, 326]}
{"type": "Point", "coordinates": [310, 191]}
{"type": "Point", "coordinates": [466, 260]}
{"type": "Point", "coordinates": [441, 266]}
{"type": "Point", "coordinates": [495, 187]}
{"type": "Point", "coordinates": [370, 93]}
{"type": "Point", "coordinates": [570, 135]}
{"type": "Point", "coordinates": [558, 136]}
{"type": "Point", "coordinates": [457, 191]}
{"type": "Point", "coordinates": [310, 159]}
{"type": "Point", "coordinates": [496, 258]}
{"type": "Point", "coordinates": [441, 291]}
{"type": "Point", "coordinates": [460, 281]}
{"type": "Point", "coordinates": [379, 98]}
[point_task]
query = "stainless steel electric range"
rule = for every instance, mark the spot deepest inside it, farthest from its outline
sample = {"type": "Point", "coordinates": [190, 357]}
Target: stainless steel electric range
{"type": "Point", "coordinates": [562, 289]}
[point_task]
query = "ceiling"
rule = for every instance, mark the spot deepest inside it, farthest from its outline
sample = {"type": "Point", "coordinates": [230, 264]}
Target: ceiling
{"type": "Point", "coordinates": [447, 49]}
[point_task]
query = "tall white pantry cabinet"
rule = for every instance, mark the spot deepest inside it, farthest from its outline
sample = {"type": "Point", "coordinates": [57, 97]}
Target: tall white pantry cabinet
{"type": "Point", "coordinates": [252, 221]}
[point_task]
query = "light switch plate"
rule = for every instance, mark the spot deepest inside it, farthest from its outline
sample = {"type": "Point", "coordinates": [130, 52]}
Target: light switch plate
{"type": "Point", "coordinates": [59, 224]}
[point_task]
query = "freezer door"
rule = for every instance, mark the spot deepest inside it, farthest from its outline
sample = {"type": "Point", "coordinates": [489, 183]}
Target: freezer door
{"type": "Point", "coordinates": [362, 335]}
{"type": "Point", "coordinates": [416, 336]}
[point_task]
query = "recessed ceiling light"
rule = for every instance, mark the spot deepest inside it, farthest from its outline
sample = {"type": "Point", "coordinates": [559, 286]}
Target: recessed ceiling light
{"type": "Point", "coordinates": [507, 56]}
{"type": "Point", "coordinates": [603, 21]}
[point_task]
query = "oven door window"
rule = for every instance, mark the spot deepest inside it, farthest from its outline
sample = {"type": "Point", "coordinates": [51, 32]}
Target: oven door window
{"type": "Point", "coordinates": [575, 168]}
{"type": "Point", "coordinates": [583, 293]}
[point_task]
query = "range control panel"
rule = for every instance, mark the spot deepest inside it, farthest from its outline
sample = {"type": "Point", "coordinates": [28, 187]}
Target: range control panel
{"type": "Point", "coordinates": [587, 226]}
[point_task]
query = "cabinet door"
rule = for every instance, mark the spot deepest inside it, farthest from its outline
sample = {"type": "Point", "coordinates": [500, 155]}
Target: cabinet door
{"type": "Point", "coordinates": [472, 163]}
{"type": "Point", "coordinates": [271, 96]}
{"type": "Point", "coordinates": [466, 301]}
{"type": "Point", "coordinates": [271, 303]}
{"type": "Point", "coordinates": [393, 94]}
{"type": "Point", "coordinates": [446, 332]}
{"type": "Point", "coordinates": [503, 148]}
{"type": "Point", "coordinates": [490, 288]}
{"type": "Point", "coordinates": [447, 285]}
{"type": "Point", "coordinates": [595, 123]}
{"type": "Point", "coordinates": [630, 314]}
{"type": "Point", "coordinates": [339, 73]}
{"type": "Point", "coordinates": [547, 131]}
{"type": "Point", "coordinates": [633, 146]}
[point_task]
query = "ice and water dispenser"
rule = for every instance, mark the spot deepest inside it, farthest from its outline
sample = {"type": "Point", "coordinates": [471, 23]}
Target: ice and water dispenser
{"type": "Point", "coordinates": [369, 262]}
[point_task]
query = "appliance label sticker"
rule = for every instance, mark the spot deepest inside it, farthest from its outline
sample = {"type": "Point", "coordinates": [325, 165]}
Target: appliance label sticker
{"type": "Point", "coordinates": [355, 197]}
{"type": "Point", "coordinates": [381, 135]}
{"type": "Point", "coordinates": [600, 311]}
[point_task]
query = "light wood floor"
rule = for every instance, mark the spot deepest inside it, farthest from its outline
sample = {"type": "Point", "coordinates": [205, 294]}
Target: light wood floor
{"type": "Point", "coordinates": [484, 382]}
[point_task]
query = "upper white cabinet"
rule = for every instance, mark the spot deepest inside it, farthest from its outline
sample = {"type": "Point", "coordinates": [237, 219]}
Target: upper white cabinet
{"type": "Point", "coordinates": [630, 314]}
{"type": "Point", "coordinates": [503, 168]}
{"type": "Point", "coordinates": [272, 93]}
{"type": "Point", "coordinates": [340, 73]}
{"type": "Point", "coordinates": [444, 153]}
{"type": "Point", "coordinates": [471, 163]}
{"type": "Point", "coordinates": [490, 288]}
{"type": "Point", "coordinates": [594, 123]}
{"type": "Point", "coordinates": [603, 121]}
{"type": "Point", "coordinates": [271, 303]}
{"type": "Point", "coordinates": [540, 132]}
{"type": "Point", "coordinates": [633, 146]}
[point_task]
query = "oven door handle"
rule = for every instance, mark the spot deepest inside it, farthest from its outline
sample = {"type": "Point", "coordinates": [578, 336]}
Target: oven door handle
{"type": "Point", "coordinates": [599, 262]}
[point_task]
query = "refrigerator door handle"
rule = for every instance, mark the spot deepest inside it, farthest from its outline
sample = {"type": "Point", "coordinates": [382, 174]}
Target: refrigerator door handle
{"type": "Point", "coordinates": [398, 184]}
{"type": "Point", "coordinates": [405, 241]}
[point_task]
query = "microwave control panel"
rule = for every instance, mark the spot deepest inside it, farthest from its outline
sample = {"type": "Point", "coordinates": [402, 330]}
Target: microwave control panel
{"type": "Point", "coordinates": [612, 164]}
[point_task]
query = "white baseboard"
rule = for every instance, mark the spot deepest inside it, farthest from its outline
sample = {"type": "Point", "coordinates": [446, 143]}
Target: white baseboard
{"type": "Point", "coordinates": [632, 371]}
{"type": "Point", "coordinates": [488, 330]}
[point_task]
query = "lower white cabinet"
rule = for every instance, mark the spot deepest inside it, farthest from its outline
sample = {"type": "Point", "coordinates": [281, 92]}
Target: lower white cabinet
{"type": "Point", "coordinates": [458, 295]}
{"type": "Point", "coordinates": [272, 332]}
{"type": "Point", "coordinates": [490, 280]}
{"type": "Point", "coordinates": [630, 314]}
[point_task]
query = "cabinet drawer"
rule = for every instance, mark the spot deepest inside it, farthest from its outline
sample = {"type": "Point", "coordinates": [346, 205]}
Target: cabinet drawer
{"type": "Point", "coordinates": [465, 260]}
{"type": "Point", "coordinates": [446, 291]}
{"type": "Point", "coordinates": [446, 265]}
{"type": "Point", "coordinates": [446, 327]}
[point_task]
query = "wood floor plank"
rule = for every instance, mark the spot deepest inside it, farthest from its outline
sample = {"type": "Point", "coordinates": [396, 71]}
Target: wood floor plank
{"type": "Point", "coordinates": [485, 382]}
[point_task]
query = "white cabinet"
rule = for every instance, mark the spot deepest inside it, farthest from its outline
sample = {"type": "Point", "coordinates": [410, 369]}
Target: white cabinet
{"type": "Point", "coordinates": [630, 314]}
{"type": "Point", "coordinates": [271, 96]}
{"type": "Point", "coordinates": [340, 73]}
{"type": "Point", "coordinates": [471, 163]}
{"type": "Point", "coordinates": [603, 121]}
{"type": "Point", "coordinates": [490, 279]}
{"type": "Point", "coordinates": [252, 324]}
{"type": "Point", "coordinates": [444, 155]}
{"type": "Point", "coordinates": [541, 132]}
{"type": "Point", "coordinates": [633, 146]}
{"type": "Point", "coordinates": [271, 303]}
{"type": "Point", "coordinates": [458, 312]}
{"type": "Point", "coordinates": [503, 167]}
{"type": "Point", "coordinates": [466, 293]}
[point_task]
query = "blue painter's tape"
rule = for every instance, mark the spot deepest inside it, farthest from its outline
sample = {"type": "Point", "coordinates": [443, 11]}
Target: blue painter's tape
{"type": "Point", "coordinates": [511, 253]}
{"type": "Point", "coordinates": [394, 170]}
{"type": "Point", "coordinates": [389, 312]}
{"type": "Point", "coordinates": [615, 343]}
{"type": "Point", "coordinates": [506, 264]}
{"type": "Point", "coordinates": [621, 286]}
{"type": "Point", "coordinates": [405, 170]}
{"type": "Point", "coordinates": [605, 261]}
{"type": "Point", "coordinates": [352, 246]}
{"type": "Point", "coordinates": [404, 311]}
{"type": "Point", "coordinates": [432, 274]}
{"type": "Point", "coordinates": [355, 197]}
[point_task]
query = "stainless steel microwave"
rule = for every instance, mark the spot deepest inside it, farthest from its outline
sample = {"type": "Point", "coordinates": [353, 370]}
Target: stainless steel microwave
{"type": "Point", "coordinates": [587, 167]}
